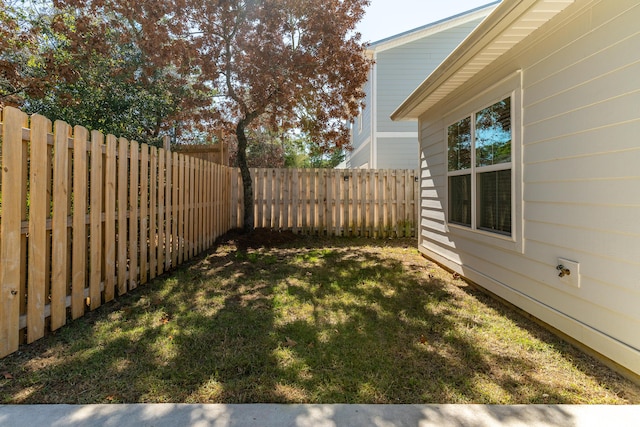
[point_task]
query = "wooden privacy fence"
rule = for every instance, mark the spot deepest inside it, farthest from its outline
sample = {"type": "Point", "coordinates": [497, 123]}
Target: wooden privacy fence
{"type": "Point", "coordinates": [334, 202]}
{"type": "Point", "coordinates": [86, 217]}
{"type": "Point", "coordinates": [216, 153]}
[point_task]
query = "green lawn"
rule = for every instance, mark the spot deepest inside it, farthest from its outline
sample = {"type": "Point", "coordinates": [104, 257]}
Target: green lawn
{"type": "Point", "coordinates": [311, 320]}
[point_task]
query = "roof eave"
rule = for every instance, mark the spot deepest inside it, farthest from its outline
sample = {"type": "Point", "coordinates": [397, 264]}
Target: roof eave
{"type": "Point", "coordinates": [497, 34]}
{"type": "Point", "coordinates": [431, 28]}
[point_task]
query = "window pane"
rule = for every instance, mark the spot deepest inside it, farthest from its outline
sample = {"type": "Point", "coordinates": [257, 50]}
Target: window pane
{"type": "Point", "coordinates": [459, 140]}
{"type": "Point", "coordinates": [460, 199]}
{"type": "Point", "coordinates": [494, 193]}
{"type": "Point", "coordinates": [493, 134]}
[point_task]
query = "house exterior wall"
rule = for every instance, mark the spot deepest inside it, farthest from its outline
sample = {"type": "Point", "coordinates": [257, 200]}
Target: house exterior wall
{"type": "Point", "coordinates": [398, 152]}
{"type": "Point", "coordinates": [359, 159]}
{"type": "Point", "coordinates": [402, 68]}
{"type": "Point", "coordinates": [361, 131]}
{"type": "Point", "coordinates": [576, 177]}
{"type": "Point", "coordinates": [396, 73]}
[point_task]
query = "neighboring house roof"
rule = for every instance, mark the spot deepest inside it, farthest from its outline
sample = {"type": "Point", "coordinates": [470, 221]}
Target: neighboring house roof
{"type": "Point", "coordinates": [429, 29]}
{"type": "Point", "coordinates": [505, 27]}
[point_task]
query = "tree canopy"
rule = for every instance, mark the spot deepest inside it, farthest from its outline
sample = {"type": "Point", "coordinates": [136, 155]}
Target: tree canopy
{"type": "Point", "coordinates": [144, 67]}
{"type": "Point", "coordinates": [20, 64]}
{"type": "Point", "coordinates": [283, 64]}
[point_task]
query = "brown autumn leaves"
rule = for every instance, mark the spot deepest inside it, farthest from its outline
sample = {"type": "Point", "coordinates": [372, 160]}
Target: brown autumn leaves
{"type": "Point", "coordinates": [231, 65]}
{"type": "Point", "coordinates": [273, 63]}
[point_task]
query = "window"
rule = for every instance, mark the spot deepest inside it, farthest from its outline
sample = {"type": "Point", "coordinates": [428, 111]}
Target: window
{"type": "Point", "coordinates": [479, 172]}
{"type": "Point", "coordinates": [360, 119]}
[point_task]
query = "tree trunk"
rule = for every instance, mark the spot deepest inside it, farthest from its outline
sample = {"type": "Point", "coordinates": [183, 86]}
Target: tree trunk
{"type": "Point", "coordinates": [247, 185]}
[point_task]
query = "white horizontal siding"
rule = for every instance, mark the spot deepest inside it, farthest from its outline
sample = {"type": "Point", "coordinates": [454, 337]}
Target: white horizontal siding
{"type": "Point", "coordinates": [619, 165]}
{"type": "Point", "coordinates": [586, 37]}
{"type": "Point", "coordinates": [593, 267]}
{"type": "Point", "coordinates": [610, 112]}
{"type": "Point", "coordinates": [402, 68]}
{"type": "Point", "coordinates": [433, 173]}
{"type": "Point", "coordinates": [581, 179]}
{"type": "Point", "coordinates": [361, 139]}
{"type": "Point", "coordinates": [360, 158]}
{"type": "Point", "coordinates": [601, 218]}
{"type": "Point", "coordinates": [398, 153]}
{"type": "Point", "coordinates": [614, 193]}
{"type": "Point", "coordinates": [596, 71]}
{"type": "Point", "coordinates": [589, 142]}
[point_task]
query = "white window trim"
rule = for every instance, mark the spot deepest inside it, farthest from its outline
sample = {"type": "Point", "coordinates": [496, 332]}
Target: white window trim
{"type": "Point", "coordinates": [510, 86]}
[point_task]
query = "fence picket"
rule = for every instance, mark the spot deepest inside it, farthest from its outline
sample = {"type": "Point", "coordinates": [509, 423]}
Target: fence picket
{"type": "Point", "coordinates": [181, 208]}
{"type": "Point", "coordinates": [321, 201]}
{"type": "Point", "coordinates": [200, 193]}
{"type": "Point", "coordinates": [175, 242]}
{"type": "Point", "coordinates": [144, 212]}
{"type": "Point", "coordinates": [206, 208]}
{"type": "Point", "coordinates": [346, 200]}
{"type": "Point", "coordinates": [109, 222]}
{"type": "Point", "coordinates": [161, 208]}
{"type": "Point", "coordinates": [192, 214]}
{"type": "Point", "coordinates": [197, 236]}
{"type": "Point", "coordinates": [134, 185]}
{"type": "Point", "coordinates": [362, 202]}
{"type": "Point", "coordinates": [188, 202]}
{"type": "Point", "coordinates": [40, 128]}
{"type": "Point", "coordinates": [10, 280]}
{"type": "Point", "coordinates": [60, 255]}
{"type": "Point", "coordinates": [78, 257]}
{"type": "Point", "coordinates": [122, 204]}
{"type": "Point", "coordinates": [167, 211]}
{"type": "Point", "coordinates": [153, 212]}
{"type": "Point", "coordinates": [96, 184]}
{"type": "Point", "coordinates": [23, 237]}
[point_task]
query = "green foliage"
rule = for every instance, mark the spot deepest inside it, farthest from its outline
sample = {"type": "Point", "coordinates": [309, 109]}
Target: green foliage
{"type": "Point", "coordinates": [20, 65]}
{"type": "Point", "coordinates": [301, 152]}
{"type": "Point", "coordinates": [190, 69]}
{"type": "Point", "coordinates": [267, 149]}
{"type": "Point", "coordinates": [93, 73]}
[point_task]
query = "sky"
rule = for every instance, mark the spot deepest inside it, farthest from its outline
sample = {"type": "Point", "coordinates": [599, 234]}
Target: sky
{"type": "Point", "coordinates": [386, 18]}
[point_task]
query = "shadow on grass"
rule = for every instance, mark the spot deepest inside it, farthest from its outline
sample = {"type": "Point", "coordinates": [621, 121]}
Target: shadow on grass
{"type": "Point", "coordinates": [310, 321]}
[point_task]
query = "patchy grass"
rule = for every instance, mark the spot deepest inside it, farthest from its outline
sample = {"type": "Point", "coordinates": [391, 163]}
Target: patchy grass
{"type": "Point", "coordinates": [307, 320]}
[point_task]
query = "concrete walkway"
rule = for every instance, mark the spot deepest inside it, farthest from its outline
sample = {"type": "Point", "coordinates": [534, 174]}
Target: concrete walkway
{"type": "Point", "coordinates": [272, 415]}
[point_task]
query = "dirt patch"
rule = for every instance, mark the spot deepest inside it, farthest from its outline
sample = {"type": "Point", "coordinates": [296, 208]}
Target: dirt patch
{"type": "Point", "coordinates": [259, 238]}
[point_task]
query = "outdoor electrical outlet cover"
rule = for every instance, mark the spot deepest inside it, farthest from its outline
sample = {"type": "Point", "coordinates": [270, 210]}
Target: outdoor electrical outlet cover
{"type": "Point", "coordinates": [572, 279]}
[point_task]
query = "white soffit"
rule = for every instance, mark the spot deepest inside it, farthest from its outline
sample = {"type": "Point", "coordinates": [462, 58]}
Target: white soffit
{"type": "Point", "coordinates": [508, 25]}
